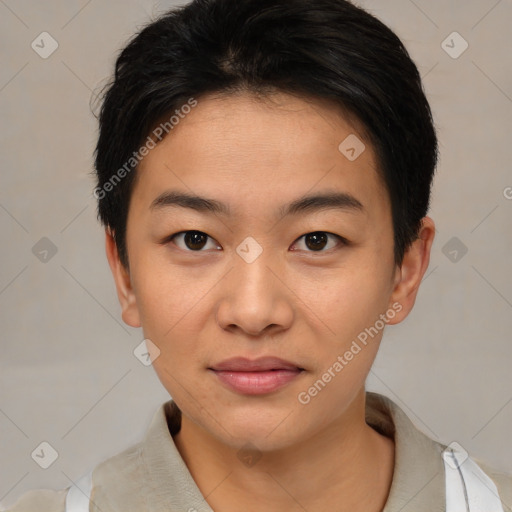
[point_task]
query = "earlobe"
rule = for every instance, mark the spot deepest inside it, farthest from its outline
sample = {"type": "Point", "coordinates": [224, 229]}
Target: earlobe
{"type": "Point", "coordinates": [125, 292]}
{"type": "Point", "coordinates": [414, 265]}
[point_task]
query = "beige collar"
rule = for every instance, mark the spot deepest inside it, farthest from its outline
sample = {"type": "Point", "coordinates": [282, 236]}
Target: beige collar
{"type": "Point", "coordinates": [418, 479]}
{"type": "Point", "coordinates": [152, 476]}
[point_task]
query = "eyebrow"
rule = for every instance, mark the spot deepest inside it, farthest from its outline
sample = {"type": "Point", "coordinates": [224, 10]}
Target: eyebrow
{"type": "Point", "coordinates": [306, 204]}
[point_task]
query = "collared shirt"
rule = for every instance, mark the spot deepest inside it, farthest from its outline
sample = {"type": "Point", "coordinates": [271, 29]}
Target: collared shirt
{"type": "Point", "coordinates": [152, 477]}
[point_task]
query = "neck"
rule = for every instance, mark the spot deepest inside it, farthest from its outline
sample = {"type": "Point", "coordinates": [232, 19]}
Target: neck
{"type": "Point", "coordinates": [345, 467]}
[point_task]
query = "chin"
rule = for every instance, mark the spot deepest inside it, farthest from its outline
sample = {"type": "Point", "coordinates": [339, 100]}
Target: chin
{"type": "Point", "coordinates": [245, 440]}
{"type": "Point", "coordinates": [267, 429]}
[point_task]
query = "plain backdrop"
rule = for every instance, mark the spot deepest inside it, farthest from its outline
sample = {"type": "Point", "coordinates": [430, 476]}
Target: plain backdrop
{"type": "Point", "coordinates": [68, 374]}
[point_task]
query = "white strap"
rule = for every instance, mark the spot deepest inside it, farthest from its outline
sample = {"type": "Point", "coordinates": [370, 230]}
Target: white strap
{"type": "Point", "coordinates": [79, 494]}
{"type": "Point", "coordinates": [468, 488]}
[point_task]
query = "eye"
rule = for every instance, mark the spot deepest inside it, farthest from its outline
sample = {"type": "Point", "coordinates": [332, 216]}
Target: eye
{"type": "Point", "coordinates": [193, 241]}
{"type": "Point", "coordinates": [317, 241]}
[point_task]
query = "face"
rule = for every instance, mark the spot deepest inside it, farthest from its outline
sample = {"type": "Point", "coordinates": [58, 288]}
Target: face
{"type": "Point", "coordinates": [255, 299]}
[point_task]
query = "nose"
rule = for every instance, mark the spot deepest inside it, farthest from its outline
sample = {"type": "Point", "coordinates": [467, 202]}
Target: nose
{"type": "Point", "coordinates": [254, 298]}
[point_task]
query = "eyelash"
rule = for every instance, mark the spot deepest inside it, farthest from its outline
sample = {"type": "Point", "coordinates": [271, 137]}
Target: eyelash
{"type": "Point", "coordinates": [342, 241]}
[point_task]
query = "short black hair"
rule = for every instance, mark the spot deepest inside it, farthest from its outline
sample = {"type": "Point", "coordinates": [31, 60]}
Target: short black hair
{"type": "Point", "coordinates": [326, 49]}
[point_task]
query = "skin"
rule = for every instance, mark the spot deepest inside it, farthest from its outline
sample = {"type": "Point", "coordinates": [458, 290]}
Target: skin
{"type": "Point", "coordinates": [302, 305]}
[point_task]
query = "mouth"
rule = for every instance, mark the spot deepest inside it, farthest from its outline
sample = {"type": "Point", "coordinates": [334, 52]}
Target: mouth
{"type": "Point", "coordinates": [256, 377]}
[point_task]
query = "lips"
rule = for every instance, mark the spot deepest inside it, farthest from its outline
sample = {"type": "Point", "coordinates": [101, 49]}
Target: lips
{"type": "Point", "coordinates": [256, 377]}
{"type": "Point", "coordinates": [241, 364]}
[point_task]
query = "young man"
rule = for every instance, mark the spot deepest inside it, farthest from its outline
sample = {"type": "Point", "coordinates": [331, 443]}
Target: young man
{"type": "Point", "coordinates": [264, 171]}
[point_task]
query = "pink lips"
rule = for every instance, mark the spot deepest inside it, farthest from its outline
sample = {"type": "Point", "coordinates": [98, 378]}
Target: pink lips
{"type": "Point", "coordinates": [256, 377]}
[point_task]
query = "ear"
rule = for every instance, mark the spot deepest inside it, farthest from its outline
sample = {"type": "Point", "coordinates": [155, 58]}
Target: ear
{"type": "Point", "coordinates": [410, 274]}
{"type": "Point", "coordinates": [125, 293]}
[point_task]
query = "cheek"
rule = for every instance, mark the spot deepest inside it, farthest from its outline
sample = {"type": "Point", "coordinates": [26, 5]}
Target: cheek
{"type": "Point", "coordinates": [350, 306]}
{"type": "Point", "coordinates": [346, 300]}
{"type": "Point", "coordinates": [168, 320]}
{"type": "Point", "coordinates": [164, 314]}
{"type": "Point", "coordinates": [166, 294]}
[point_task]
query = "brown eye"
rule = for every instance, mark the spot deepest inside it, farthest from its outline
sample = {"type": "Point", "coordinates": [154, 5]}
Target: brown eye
{"type": "Point", "coordinates": [318, 240]}
{"type": "Point", "coordinates": [194, 241]}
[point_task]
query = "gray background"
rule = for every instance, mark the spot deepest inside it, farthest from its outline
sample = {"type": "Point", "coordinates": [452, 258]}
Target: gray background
{"type": "Point", "coordinates": [68, 375]}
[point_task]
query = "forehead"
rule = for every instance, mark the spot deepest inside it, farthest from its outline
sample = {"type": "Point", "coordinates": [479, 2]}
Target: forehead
{"type": "Point", "coordinates": [243, 149]}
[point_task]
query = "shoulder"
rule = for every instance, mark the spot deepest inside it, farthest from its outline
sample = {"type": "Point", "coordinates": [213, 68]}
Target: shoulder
{"type": "Point", "coordinates": [502, 481]}
{"type": "Point", "coordinates": [41, 500]}
{"type": "Point", "coordinates": [115, 473]}
{"type": "Point", "coordinates": [122, 479]}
